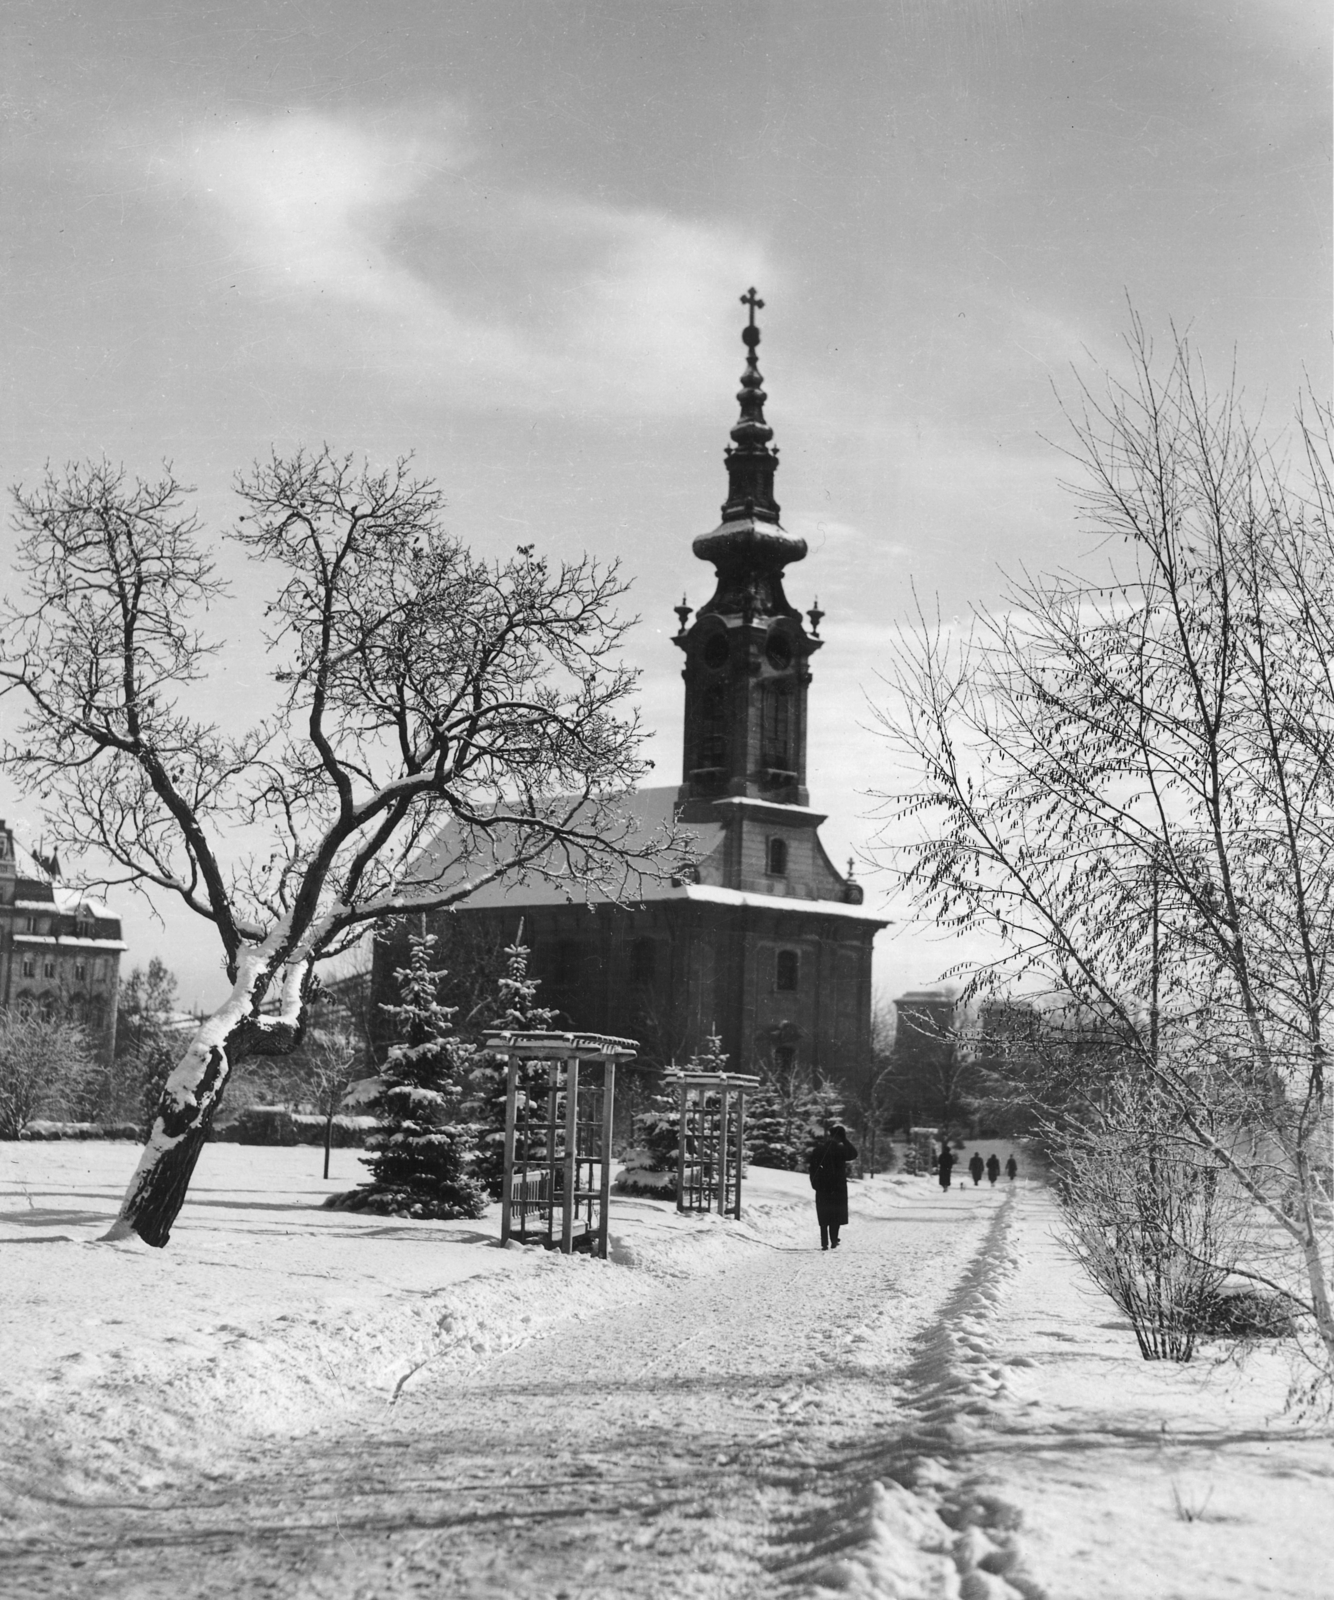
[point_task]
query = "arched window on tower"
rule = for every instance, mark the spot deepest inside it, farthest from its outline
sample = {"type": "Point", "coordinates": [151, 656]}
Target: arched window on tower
{"type": "Point", "coordinates": [787, 971]}
{"type": "Point", "coordinates": [776, 727]}
{"type": "Point", "coordinates": [712, 749]}
{"type": "Point", "coordinates": [777, 858]}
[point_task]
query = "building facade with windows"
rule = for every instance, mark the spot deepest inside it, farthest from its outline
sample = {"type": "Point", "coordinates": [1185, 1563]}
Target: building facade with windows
{"type": "Point", "coordinates": [59, 949]}
{"type": "Point", "coordinates": [767, 943]}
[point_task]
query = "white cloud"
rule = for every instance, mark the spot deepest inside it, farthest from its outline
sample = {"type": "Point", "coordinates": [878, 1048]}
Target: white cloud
{"type": "Point", "coordinates": [536, 301]}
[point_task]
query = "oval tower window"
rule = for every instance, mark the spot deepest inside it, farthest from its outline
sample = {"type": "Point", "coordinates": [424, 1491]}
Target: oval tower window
{"type": "Point", "coordinates": [716, 651]}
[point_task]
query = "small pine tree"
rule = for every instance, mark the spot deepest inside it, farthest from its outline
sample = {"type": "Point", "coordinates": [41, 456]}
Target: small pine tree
{"type": "Point", "coordinates": [651, 1164]}
{"type": "Point", "coordinates": [825, 1104]}
{"type": "Point", "coordinates": [518, 1012]}
{"type": "Point", "coordinates": [785, 1116]}
{"type": "Point", "coordinates": [771, 1134]}
{"type": "Point", "coordinates": [422, 1157]}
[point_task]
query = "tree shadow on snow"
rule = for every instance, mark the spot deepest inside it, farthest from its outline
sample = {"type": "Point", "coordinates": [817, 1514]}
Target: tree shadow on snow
{"type": "Point", "coordinates": [42, 1217]}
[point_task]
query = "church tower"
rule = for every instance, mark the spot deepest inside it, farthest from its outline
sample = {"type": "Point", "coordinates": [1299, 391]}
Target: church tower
{"type": "Point", "coordinates": [747, 675]}
{"type": "Point", "coordinates": [761, 941]}
{"type": "Point", "coordinates": [747, 654]}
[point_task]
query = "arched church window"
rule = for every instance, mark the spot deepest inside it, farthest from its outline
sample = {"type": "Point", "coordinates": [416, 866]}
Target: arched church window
{"type": "Point", "coordinates": [775, 727]}
{"type": "Point", "coordinates": [777, 858]}
{"type": "Point", "coordinates": [715, 702]}
{"type": "Point", "coordinates": [787, 971]}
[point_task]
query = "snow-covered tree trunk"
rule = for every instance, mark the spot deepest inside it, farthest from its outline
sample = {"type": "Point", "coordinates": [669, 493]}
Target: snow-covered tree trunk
{"type": "Point", "coordinates": [192, 1095]}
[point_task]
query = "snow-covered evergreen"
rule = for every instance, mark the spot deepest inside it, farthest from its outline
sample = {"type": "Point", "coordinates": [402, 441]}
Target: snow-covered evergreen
{"type": "Point", "coordinates": [785, 1116]}
{"type": "Point", "coordinates": [423, 1156]}
{"type": "Point", "coordinates": [650, 1165]}
{"type": "Point", "coordinates": [518, 1012]}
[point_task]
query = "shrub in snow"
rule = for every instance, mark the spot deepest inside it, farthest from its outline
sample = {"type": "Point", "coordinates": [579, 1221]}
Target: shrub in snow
{"type": "Point", "coordinates": [1156, 1223]}
{"type": "Point", "coordinates": [518, 1012]}
{"type": "Point", "coordinates": [42, 1129]}
{"type": "Point", "coordinates": [1246, 1314]}
{"type": "Point", "coordinates": [423, 1152]}
{"type": "Point", "coordinates": [277, 1125]}
{"type": "Point", "coordinates": [44, 1066]}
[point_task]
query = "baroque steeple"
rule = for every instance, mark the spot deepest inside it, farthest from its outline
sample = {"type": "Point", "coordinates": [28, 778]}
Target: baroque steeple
{"type": "Point", "coordinates": [749, 548]}
{"type": "Point", "coordinates": [747, 653]}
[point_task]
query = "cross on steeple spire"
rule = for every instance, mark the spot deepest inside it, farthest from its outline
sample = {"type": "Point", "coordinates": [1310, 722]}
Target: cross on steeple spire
{"type": "Point", "coordinates": [751, 461]}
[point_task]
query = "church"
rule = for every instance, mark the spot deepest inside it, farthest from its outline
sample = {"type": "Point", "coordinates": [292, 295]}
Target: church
{"type": "Point", "coordinates": [767, 944]}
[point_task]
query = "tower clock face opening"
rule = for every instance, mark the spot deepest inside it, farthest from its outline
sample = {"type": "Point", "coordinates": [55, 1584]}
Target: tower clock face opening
{"type": "Point", "coordinates": [716, 651]}
{"type": "Point", "coordinates": [779, 651]}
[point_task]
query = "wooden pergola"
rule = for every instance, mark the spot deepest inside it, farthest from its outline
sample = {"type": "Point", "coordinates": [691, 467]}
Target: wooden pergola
{"type": "Point", "coordinates": [711, 1139]}
{"type": "Point", "coordinates": [559, 1100]}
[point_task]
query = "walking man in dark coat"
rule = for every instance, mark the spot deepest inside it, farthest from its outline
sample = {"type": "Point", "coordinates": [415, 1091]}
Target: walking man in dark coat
{"type": "Point", "coordinates": [993, 1167]}
{"type": "Point", "coordinates": [1011, 1168]}
{"type": "Point", "coordinates": [946, 1166]}
{"type": "Point", "coordinates": [976, 1168]}
{"type": "Point", "coordinates": [829, 1179]}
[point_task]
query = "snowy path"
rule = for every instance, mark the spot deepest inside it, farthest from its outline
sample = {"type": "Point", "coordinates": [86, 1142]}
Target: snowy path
{"type": "Point", "coordinates": [719, 1437]}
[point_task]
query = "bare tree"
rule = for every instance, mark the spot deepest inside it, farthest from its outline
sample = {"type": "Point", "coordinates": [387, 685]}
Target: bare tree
{"type": "Point", "coordinates": [1130, 780]}
{"type": "Point", "coordinates": [333, 1057]}
{"type": "Point", "coordinates": [44, 1064]}
{"type": "Point", "coordinates": [1155, 1221]}
{"type": "Point", "coordinates": [437, 723]}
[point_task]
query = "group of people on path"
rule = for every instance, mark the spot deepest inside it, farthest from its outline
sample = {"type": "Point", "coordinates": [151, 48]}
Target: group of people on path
{"type": "Point", "coordinates": [976, 1167]}
{"type": "Point", "coordinates": [831, 1156]}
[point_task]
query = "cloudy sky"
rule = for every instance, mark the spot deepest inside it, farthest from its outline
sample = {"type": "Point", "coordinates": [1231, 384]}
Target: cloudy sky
{"type": "Point", "coordinates": [510, 238]}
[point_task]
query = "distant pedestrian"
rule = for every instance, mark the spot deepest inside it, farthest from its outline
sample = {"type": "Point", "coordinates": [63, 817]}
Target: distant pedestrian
{"type": "Point", "coordinates": [976, 1168]}
{"type": "Point", "coordinates": [993, 1167]}
{"type": "Point", "coordinates": [1011, 1169]}
{"type": "Point", "coordinates": [829, 1179]}
{"type": "Point", "coordinates": [945, 1166]}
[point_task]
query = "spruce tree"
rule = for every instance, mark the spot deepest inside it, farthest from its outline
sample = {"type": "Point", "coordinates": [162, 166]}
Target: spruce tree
{"type": "Point", "coordinates": [825, 1105]}
{"type": "Point", "coordinates": [518, 1012]}
{"type": "Point", "coordinates": [651, 1164]}
{"type": "Point", "coordinates": [785, 1116]}
{"type": "Point", "coordinates": [423, 1156]}
{"type": "Point", "coordinates": [772, 1130]}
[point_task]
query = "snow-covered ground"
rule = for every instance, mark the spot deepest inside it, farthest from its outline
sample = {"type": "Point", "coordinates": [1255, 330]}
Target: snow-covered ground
{"type": "Point", "coordinates": [294, 1402]}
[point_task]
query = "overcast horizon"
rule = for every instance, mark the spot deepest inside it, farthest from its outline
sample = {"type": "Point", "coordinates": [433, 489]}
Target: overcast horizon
{"type": "Point", "coordinates": [510, 238]}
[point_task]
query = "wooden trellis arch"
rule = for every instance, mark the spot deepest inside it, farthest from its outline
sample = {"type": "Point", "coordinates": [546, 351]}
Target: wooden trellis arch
{"type": "Point", "coordinates": [559, 1101]}
{"type": "Point", "coordinates": [711, 1139]}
